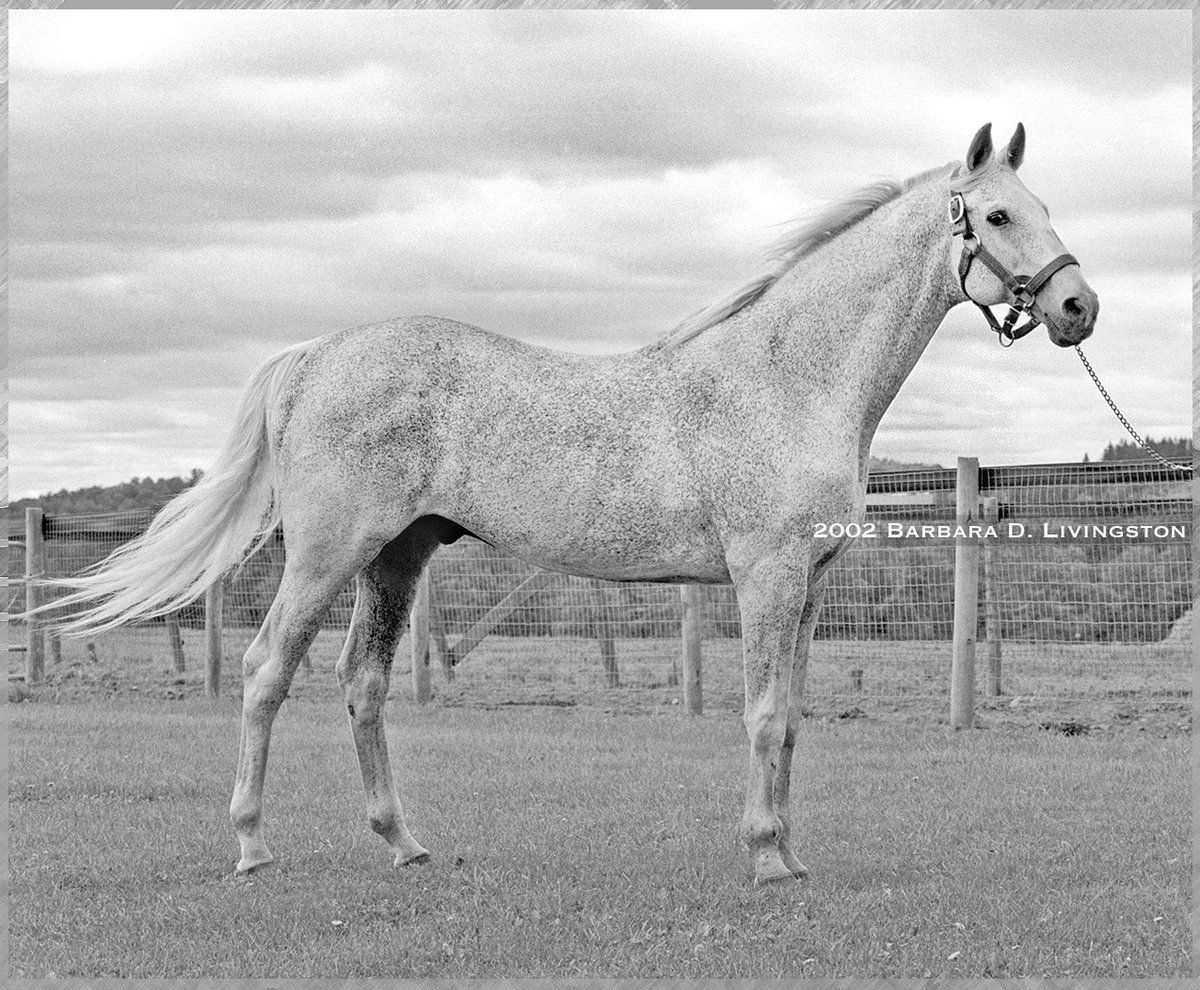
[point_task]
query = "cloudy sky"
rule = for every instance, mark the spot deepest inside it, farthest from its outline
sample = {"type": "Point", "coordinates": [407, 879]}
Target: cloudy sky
{"type": "Point", "coordinates": [192, 191]}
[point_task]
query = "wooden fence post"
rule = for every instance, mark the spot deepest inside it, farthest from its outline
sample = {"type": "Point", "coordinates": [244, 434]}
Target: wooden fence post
{"type": "Point", "coordinates": [602, 630]}
{"type": "Point", "coordinates": [35, 570]}
{"type": "Point", "coordinates": [437, 631]}
{"type": "Point", "coordinates": [214, 600]}
{"type": "Point", "coordinates": [991, 597]}
{"type": "Point", "coordinates": [419, 625]}
{"type": "Point", "coordinates": [175, 638]}
{"type": "Point", "coordinates": [693, 633]}
{"type": "Point", "coordinates": [966, 597]}
{"type": "Point", "coordinates": [608, 659]}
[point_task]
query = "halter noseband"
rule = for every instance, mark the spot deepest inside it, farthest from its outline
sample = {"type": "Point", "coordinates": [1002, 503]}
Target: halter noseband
{"type": "Point", "coordinates": [1023, 288]}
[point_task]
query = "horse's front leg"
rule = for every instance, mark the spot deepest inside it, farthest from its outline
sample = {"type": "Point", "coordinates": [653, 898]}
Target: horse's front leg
{"type": "Point", "coordinates": [783, 772]}
{"type": "Point", "coordinates": [771, 594]}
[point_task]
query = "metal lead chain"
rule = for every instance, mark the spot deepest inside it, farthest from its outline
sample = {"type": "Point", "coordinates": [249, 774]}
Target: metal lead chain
{"type": "Point", "coordinates": [1125, 423]}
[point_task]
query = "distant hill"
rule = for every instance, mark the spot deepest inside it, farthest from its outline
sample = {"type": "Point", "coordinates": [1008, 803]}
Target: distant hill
{"type": "Point", "coordinates": [887, 464]}
{"type": "Point", "coordinates": [137, 493]}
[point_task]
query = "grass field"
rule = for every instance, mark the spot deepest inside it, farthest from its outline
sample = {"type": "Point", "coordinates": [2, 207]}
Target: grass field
{"type": "Point", "coordinates": [590, 840]}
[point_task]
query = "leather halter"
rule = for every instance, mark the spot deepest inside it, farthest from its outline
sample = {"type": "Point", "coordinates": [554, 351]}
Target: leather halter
{"type": "Point", "coordinates": [1023, 288]}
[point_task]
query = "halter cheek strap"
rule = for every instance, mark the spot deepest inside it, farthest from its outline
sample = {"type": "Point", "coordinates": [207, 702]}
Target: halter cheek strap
{"type": "Point", "coordinates": [1024, 289]}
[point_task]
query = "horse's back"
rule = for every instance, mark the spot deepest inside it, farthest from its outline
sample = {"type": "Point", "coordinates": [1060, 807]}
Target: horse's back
{"type": "Point", "coordinates": [467, 377]}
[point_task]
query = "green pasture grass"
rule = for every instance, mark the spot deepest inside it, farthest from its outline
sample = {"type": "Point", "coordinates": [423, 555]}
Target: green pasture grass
{"type": "Point", "coordinates": [571, 841]}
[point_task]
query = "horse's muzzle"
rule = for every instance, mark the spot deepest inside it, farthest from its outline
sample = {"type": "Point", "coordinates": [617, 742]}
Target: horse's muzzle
{"type": "Point", "coordinates": [1074, 318]}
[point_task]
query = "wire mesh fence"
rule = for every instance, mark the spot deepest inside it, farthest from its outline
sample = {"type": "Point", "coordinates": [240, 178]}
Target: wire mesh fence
{"type": "Point", "coordinates": [1112, 609]}
{"type": "Point", "coordinates": [1099, 611]}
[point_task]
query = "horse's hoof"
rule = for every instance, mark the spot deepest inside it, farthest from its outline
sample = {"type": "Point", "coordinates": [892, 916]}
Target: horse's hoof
{"type": "Point", "coordinates": [247, 865]}
{"type": "Point", "coordinates": [761, 879]}
{"type": "Point", "coordinates": [798, 869]}
{"type": "Point", "coordinates": [769, 868]}
{"type": "Point", "coordinates": [420, 857]}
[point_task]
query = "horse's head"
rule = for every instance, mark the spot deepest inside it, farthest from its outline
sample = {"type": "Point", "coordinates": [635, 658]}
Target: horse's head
{"type": "Point", "coordinates": [1009, 252]}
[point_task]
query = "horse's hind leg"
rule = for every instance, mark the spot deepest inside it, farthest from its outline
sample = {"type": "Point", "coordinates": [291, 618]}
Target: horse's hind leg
{"type": "Point", "coordinates": [783, 771]}
{"type": "Point", "coordinates": [385, 589]}
{"type": "Point", "coordinates": [305, 594]}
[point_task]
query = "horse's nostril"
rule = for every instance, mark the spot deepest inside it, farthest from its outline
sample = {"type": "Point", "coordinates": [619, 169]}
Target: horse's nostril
{"type": "Point", "coordinates": [1074, 308]}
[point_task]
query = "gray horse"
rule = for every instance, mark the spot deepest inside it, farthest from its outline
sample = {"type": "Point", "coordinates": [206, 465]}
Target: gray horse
{"type": "Point", "coordinates": [707, 456]}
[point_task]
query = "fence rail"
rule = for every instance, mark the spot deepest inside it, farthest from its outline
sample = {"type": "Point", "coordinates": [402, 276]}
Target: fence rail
{"type": "Point", "coordinates": [1056, 618]}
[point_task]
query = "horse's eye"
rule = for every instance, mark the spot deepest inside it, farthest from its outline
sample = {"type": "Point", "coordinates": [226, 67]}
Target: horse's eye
{"type": "Point", "coordinates": [997, 219]}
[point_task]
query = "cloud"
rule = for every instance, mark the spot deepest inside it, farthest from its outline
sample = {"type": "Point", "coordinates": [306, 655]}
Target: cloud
{"type": "Point", "coordinates": [272, 120]}
{"type": "Point", "coordinates": [622, 259]}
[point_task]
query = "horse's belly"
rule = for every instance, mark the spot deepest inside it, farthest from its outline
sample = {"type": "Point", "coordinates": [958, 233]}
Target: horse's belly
{"type": "Point", "coordinates": [613, 545]}
{"type": "Point", "coordinates": [664, 568]}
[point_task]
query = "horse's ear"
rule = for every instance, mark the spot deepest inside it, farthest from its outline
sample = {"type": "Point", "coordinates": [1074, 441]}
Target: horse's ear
{"type": "Point", "coordinates": [981, 148]}
{"type": "Point", "coordinates": [1014, 151]}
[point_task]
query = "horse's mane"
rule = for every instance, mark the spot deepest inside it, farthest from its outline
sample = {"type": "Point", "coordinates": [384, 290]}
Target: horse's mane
{"type": "Point", "coordinates": [807, 234]}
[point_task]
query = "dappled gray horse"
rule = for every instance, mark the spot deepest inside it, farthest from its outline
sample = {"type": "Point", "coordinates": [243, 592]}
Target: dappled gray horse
{"type": "Point", "coordinates": [707, 456]}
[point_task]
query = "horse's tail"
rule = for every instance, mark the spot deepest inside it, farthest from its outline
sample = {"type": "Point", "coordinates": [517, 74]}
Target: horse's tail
{"type": "Point", "coordinates": [200, 533]}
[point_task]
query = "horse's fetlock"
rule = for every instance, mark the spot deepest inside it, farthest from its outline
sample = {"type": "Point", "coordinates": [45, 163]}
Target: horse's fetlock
{"type": "Point", "coordinates": [382, 822]}
{"type": "Point", "coordinates": [762, 830]}
{"type": "Point", "coordinates": [244, 820]}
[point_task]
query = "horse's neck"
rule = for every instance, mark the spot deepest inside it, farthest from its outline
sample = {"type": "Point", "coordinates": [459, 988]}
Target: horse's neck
{"type": "Point", "coordinates": [851, 320]}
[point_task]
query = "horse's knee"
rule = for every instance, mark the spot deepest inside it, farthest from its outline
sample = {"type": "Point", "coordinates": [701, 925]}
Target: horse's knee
{"type": "Point", "coordinates": [766, 731]}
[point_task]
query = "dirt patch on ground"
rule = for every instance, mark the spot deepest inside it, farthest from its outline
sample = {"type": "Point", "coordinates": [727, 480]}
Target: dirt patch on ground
{"type": "Point", "coordinates": [1091, 716]}
{"type": "Point", "coordinates": [1117, 712]}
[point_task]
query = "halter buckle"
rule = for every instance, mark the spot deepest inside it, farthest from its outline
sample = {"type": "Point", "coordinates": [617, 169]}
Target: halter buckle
{"type": "Point", "coordinates": [1024, 298]}
{"type": "Point", "coordinates": [958, 208]}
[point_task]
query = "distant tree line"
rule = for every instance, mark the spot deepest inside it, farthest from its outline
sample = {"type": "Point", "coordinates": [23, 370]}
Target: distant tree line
{"type": "Point", "coordinates": [137, 493]}
{"type": "Point", "coordinates": [1174, 450]}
